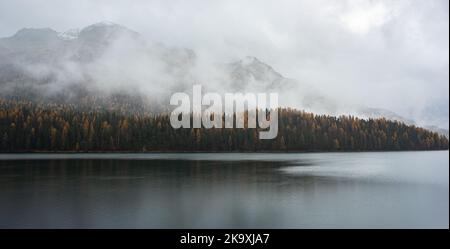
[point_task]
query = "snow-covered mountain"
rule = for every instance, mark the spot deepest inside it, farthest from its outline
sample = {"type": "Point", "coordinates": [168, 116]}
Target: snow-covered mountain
{"type": "Point", "coordinates": [107, 59]}
{"type": "Point", "coordinates": [103, 57]}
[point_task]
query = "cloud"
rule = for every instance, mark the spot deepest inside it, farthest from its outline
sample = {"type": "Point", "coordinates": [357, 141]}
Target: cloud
{"type": "Point", "coordinates": [390, 54]}
{"type": "Point", "coordinates": [361, 18]}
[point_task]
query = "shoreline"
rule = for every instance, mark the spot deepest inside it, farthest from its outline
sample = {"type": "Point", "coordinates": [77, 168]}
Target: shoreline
{"type": "Point", "coordinates": [206, 152]}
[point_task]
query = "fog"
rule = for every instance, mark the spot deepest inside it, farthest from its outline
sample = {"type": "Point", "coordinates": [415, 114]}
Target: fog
{"type": "Point", "coordinates": [386, 54]}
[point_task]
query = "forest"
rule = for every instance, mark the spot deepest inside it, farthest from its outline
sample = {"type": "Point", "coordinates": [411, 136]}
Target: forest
{"type": "Point", "coordinates": [27, 126]}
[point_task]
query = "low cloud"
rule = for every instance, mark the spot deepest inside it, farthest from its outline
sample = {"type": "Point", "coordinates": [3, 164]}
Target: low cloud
{"type": "Point", "coordinates": [389, 54]}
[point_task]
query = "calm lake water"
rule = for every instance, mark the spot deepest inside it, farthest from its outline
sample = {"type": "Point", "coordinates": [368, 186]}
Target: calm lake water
{"type": "Point", "coordinates": [221, 190]}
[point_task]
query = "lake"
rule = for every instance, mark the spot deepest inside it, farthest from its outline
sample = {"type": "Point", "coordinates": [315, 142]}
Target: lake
{"type": "Point", "coordinates": [225, 190]}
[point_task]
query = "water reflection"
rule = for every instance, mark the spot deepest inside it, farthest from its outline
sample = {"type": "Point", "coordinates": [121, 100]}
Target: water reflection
{"type": "Point", "coordinates": [291, 191]}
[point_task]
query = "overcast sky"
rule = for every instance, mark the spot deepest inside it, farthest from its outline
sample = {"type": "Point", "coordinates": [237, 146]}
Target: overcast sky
{"type": "Point", "coordinates": [392, 54]}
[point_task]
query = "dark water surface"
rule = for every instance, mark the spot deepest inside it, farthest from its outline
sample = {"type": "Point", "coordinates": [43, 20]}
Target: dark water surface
{"type": "Point", "coordinates": [222, 190]}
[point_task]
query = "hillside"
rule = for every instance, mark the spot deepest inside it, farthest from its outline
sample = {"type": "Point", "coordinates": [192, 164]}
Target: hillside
{"type": "Point", "coordinates": [26, 126]}
{"type": "Point", "coordinates": [109, 61]}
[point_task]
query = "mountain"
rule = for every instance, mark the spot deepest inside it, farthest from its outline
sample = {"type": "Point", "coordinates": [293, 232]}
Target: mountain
{"type": "Point", "coordinates": [100, 59]}
{"type": "Point", "coordinates": [367, 112]}
{"type": "Point", "coordinates": [250, 71]}
{"type": "Point", "coordinates": [109, 61]}
{"type": "Point", "coordinates": [107, 58]}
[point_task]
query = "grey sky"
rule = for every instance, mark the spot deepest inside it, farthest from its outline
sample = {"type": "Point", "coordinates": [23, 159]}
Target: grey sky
{"type": "Point", "coordinates": [391, 54]}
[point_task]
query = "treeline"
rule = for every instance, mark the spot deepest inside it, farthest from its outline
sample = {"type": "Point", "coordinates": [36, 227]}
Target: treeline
{"type": "Point", "coordinates": [27, 126]}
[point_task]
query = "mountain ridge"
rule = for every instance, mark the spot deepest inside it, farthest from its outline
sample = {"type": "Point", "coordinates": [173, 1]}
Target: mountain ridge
{"type": "Point", "coordinates": [86, 57]}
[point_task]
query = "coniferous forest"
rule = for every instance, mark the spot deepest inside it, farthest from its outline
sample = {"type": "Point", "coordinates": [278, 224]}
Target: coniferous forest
{"type": "Point", "coordinates": [27, 126]}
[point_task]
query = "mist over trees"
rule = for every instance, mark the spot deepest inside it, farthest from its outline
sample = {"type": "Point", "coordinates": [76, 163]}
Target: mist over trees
{"type": "Point", "coordinates": [104, 59]}
{"type": "Point", "coordinates": [30, 126]}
